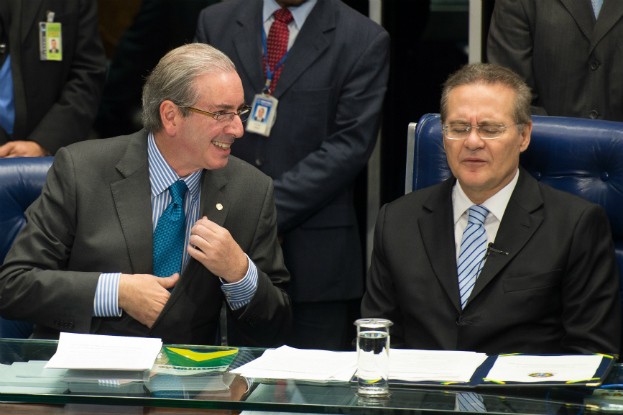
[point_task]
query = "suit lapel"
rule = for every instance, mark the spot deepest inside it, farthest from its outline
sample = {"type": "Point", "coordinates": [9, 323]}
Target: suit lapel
{"type": "Point", "coordinates": [132, 197]}
{"type": "Point", "coordinates": [248, 44]}
{"type": "Point", "coordinates": [611, 12]}
{"type": "Point", "coordinates": [438, 226]}
{"type": "Point", "coordinates": [582, 13]}
{"type": "Point", "coordinates": [213, 204]}
{"type": "Point", "coordinates": [311, 42]}
{"type": "Point", "coordinates": [521, 220]}
{"type": "Point", "coordinates": [16, 33]}
{"type": "Point", "coordinates": [29, 19]}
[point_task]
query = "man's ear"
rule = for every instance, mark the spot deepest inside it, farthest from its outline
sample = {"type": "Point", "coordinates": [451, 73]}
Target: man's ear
{"type": "Point", "coordinates": [525, 137]}
{"type": "Point", "coordinates": [170, 116]}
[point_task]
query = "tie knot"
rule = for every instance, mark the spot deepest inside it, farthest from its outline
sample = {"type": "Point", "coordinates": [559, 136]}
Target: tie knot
{"type": "Point", "coordinates": [177, 191]}
{"type": "Point", "coordinates": [283, 15]}
{"type": "Point", "coordinates": [477, 214]}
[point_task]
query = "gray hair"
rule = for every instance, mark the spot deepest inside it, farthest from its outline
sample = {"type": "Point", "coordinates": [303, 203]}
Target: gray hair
{"type": "Point", "coordinates": [173, 79]}
{"type": "Point", "coordinates": [486, 73]}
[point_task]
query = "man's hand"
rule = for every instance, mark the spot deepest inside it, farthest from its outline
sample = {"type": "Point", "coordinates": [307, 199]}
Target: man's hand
{"type": "Point", "coordinates": [22, 149]}
{"type": "Point", "coordinates": [214, 247]}
{"type": "Point", "coordinates": [143, 296]}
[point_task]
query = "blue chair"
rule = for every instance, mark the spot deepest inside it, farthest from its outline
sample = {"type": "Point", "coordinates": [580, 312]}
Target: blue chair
{"type": "Point", "coordinates": [580, 156]}
{"type": "Point", "coordinates": [21, 181]}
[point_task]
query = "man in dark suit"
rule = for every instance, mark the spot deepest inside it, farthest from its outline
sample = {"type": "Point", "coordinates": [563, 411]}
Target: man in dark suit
{"type": "Point", "coordinates": [48, 104]}
{"type": "Point", "coordinates": [536, 266]}
{"type": "Point", "coordinates": [568, 51]}
{"type": "Point", "coordinates": [330, 92]}
{"type": "Point", "coordinates": [86, 261]}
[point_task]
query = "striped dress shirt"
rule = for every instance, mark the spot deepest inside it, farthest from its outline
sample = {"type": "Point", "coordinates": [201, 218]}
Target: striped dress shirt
{"type": "Point", "coordinates": [162, 176]}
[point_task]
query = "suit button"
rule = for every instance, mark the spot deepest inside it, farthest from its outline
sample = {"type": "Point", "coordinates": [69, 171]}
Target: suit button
{"type": "Point", "coordinates": [593, 114]}
{"type": "Point", "coordinates": [259, 161]}
{"type": "Point", "coordinates": [2, 47]}
{"type": "Point", "coordinates": [594, 65]}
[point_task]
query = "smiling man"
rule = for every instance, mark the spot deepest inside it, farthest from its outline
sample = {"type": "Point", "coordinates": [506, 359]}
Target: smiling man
{"type": "Point", "coordinates": [491, 260]}
{"type": "Point", "coordinates": [148, 234]}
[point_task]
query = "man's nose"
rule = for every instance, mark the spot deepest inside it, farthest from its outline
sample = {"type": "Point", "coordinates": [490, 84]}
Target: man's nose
{"type": "Point", "coordinates": [473, 140]}
{"type": "Point", "coordinates": [235, 127]}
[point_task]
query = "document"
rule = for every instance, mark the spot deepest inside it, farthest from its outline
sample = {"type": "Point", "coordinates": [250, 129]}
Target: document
{"type": "Point", "coordinates": [98, 352]}
{"type": "Point", "coordinates": [530, 369]}
{"type": "Point", "coordinates": [433, 365]}
{"type": "Point", "coordinates": [290, 363]}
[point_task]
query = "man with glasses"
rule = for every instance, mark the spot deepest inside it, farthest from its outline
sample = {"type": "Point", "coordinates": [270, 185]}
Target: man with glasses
{"type": "Point", "coordinates": [491, 260]}
{"type": "Point", "coordinates": [149, 234]}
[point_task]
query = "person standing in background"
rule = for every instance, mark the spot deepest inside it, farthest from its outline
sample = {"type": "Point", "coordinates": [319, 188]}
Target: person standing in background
{"type": "Point", "coordinates": [324, 68]}
{"type": "Point", "coordinates": [568, 51]}
{"type": "Point", "coordinates": [48, 100]}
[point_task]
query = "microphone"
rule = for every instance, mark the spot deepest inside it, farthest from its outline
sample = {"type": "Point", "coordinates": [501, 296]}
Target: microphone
{"type": "Point", "coordinates": [491, 249]}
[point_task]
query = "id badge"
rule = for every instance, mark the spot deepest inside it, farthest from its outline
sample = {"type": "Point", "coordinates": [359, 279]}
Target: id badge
{"type": "Point", "coordinates": [263, 114]}
{"type": "Point", "coordinates": [50, 41]}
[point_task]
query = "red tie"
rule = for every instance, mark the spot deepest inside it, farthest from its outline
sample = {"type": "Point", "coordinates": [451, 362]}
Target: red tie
{"type": "Point", "coordinates": [277, 44]}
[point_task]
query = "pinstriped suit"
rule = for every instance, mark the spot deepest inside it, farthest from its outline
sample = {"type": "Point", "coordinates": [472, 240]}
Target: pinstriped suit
{"type": "Point", "coordinates": [557, 291]}
{"type": "Point", "coordinates": [572, 62]}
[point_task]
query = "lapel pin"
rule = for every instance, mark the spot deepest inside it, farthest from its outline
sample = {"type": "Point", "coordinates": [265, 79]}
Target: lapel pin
{"type": "Point", "coordinates": [219, 206]}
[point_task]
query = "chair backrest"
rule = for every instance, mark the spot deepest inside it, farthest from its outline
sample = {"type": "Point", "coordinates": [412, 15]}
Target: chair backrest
{"type": "Point", "coordinates": [21, 181]}
{"type": "Point", "coordinates": [580, 156]}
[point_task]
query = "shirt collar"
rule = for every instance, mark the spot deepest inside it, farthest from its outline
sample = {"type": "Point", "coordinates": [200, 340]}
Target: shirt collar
{"type": "Point", "coordinates": [299, 13]}
{"type": "Point", "coordinates": [161, 175]}
{"type": "Point", "coordinates": [496, 204]}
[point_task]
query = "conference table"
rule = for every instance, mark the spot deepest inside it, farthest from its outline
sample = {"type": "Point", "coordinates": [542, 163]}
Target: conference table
{"type": "Point", "coordinates": [222, 392]}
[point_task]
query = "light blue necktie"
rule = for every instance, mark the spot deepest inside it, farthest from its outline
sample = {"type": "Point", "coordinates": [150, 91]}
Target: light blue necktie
{"type": "Point", "coordinates": [170, 234]}
{"type": "Point", "coordinates": [472, 251]}
{"type": "Point", "coordinates": [597, 6]}
{"type": "Point", "coordinates": [470, 402]}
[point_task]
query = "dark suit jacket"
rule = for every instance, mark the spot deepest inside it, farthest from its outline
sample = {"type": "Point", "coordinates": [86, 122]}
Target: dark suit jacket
{"type": "Point", "coordinates": [94, 216]}
{"type": "Point", "coordinates": [572, 62]}
{"type": "Point", "coordinates": [55, 101]}
{"type": "Point", "coordinates": [330, 96]}
{"type": "Point", "coordinates": [557, 291]}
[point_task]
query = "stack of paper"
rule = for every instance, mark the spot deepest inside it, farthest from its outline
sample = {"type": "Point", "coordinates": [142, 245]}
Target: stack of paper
{"type": "Point", "coordinates": [312, 365]}
{"type": "Point", "coordinates": [433, 365]}
{"type": "Point", "coordinates": [97, 352]}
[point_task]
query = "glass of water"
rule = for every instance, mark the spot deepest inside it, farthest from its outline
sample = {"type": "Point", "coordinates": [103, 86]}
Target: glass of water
{"type": "Point", "coordinates": [373, 356]}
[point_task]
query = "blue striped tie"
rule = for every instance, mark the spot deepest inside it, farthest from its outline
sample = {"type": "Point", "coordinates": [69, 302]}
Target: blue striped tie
{"type": "Point", "coordinates": [470, 402]}
{"type": "Point", "coordinates": [472, 251]}
{"type": "Point", "coordinates": [597, 6]}
{"type": "Point", "coordinates": [170, 234]}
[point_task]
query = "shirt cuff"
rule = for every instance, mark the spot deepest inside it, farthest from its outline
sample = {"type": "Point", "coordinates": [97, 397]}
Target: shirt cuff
{"type": "Point", "coordinates": [238, 294]}
{"type": "Point", "coordinates": [106, 301]}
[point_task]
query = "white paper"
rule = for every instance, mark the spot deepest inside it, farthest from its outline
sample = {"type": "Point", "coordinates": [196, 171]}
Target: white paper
{"type": "Point", "coordinates": [98, 352]}
{"type": "Point", "coordinates": [433, 365]}
{"type": "Point", "coordinates": [530, 369]}
{"type": "Point", "coordinates": [290, 363]}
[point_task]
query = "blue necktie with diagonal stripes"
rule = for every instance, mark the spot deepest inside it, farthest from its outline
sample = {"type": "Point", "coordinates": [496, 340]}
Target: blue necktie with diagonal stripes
{"type": "Point", "coordinates": [472, 251]}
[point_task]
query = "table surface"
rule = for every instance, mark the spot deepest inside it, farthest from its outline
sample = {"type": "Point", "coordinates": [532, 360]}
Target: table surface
{"type": "Point", "coordinates": [208, 393]}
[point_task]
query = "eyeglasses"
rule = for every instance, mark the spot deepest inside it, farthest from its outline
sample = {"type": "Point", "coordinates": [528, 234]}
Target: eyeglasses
{"type": "Point", "coordinates": [460, 131]}
{"type": "Point", "coordinates": [224, 117]}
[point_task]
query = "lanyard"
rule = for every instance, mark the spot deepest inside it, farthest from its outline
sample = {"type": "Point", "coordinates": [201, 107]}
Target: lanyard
{"type": "Point", "coordinates": [269, 74]}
